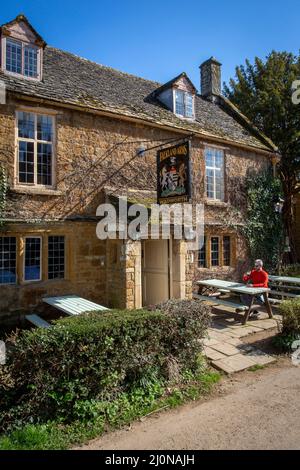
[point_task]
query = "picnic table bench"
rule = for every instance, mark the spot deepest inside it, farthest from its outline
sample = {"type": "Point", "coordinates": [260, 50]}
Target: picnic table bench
{"type": "Point", "coordinates": [236, 288]}
{"type": "Point", "coordinates": [38, 321]}
{"type": "Point", "coordinates": [69, 304]}
{"type": "Point", "coordinates": [73, 305]}
{"type": "Point", "coordinates": [284, 287]}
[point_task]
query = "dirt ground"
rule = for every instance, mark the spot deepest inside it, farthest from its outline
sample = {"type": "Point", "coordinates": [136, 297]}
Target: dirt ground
{"type": "Point", "coordinates": [249, 410]}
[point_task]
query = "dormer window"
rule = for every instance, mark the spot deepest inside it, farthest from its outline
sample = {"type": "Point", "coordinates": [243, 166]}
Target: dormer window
{"type": "Point", "coordinates": [184, 104]}
{"type": "Point", "coordinates": [22, 59]}
{"type": "Point", "coordinates": [21, 49]}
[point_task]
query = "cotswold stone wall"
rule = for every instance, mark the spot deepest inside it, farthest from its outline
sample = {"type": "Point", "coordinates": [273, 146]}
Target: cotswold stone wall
{"type": "Point", "coordinates": [93, 151]}
{"type": "Point", "coordinates": [85, 269]}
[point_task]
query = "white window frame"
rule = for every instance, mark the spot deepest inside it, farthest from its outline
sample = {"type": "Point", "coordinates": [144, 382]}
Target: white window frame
{"type": "Point", "coordinates": [219, 252]}
{"type": "Point", "coordinates": [185, 93]}
{"type": "Point", "coordinates": [35, 141]}
{"type": "Point", "coordinates": [215, 170]}
{"type": "Point", "coordinates": [28, 281]}
{"type": "Point", "coordinates": [23, 44]}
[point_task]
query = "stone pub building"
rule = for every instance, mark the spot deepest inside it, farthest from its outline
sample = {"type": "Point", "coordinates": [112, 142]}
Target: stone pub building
{"type": "Point", "coordinates": [70, 131]}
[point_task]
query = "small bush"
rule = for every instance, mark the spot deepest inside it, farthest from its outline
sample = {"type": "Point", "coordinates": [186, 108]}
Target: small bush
{"type": "Point", "coordinates": [290, 311]}
{"type": "Point", "coordinates": [53, 373]}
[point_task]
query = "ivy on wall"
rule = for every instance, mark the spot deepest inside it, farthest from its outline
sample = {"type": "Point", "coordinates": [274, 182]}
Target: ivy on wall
{"type": "Point", "coordinates": [3, 193]}
{"type": "Point", "coordinates": [264, 228]}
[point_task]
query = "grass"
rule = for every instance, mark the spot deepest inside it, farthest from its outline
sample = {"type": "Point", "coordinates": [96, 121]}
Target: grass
{"type": "Point", "coordinates": [256, 367]}
{"type": "Point", "coordinates": [108, 416]}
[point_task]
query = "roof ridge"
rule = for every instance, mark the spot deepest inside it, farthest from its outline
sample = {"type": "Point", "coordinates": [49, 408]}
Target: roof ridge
{"type": "Point", "coordinates": [103, 66]}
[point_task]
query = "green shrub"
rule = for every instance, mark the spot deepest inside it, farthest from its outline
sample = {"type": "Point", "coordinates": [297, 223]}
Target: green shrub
{"type": "Point", "coordinates": [292, 270]}
{"type": "Point", "coordinates": [290, 311]}
{"type": "Point", "coordinates": [53, 373]}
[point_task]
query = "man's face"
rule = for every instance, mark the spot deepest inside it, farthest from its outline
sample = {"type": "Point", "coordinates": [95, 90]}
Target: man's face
{"type": "Point", "coordinates": [257, 267]}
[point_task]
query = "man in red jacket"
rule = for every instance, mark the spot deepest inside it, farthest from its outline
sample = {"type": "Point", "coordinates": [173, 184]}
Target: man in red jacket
{"type": "Point", "coordinates": [258, 277]}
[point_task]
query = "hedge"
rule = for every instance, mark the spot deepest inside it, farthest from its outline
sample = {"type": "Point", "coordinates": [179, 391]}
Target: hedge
{"type": "Point", "coordinates": [96, 356]}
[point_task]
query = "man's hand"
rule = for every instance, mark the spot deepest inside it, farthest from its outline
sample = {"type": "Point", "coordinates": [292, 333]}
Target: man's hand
{"type": "Point", "coordinates": [249, 285]}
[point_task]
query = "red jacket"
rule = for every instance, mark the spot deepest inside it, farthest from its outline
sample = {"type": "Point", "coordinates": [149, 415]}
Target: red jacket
{"type": "Point", "coordinates": [258, 278]}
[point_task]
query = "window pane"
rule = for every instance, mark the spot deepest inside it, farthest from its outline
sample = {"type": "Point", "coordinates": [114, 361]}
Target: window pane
{"type": "Point", "coordinates": [44, 164]}
{"type": "Point", "coordinates": [215, 251]}
{"type": "Point", "coordinates": [179, 102]}
{"type": "Point", "coordinates": [56, 257]}
{"type": "Point", "coordinates": [8, 260]}
{"type": "Point", "coordinates": [226, 251]}
{"type": "Point", "coordinates": [44, 128]}
{"type": "Point", "coordinates": [26, 162]}
{"type": "Point", "coordinates": [26, 125]}
{"type": "Point", "coordinates": [219, 159]}
{"type": "Point", "coordinates": [30, 61]}
{"type": "Point", "coordinates": [189, 111]}
{"type": "Point", "coordinates": [202, 253]}
{"type": "Point", "coordinates": [214, 161]}
{"type": "Point", "coordinates": [32, 259]}
{"type": "Point", "coordinates": [13, 56]}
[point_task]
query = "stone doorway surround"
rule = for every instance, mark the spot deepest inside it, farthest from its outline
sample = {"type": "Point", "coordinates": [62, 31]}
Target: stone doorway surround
{"type": "Point", "coordinates": [224, 347]}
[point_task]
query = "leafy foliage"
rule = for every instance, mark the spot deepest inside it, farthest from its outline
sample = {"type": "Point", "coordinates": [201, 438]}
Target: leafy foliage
{"type": "Point", "coordinates": [94, 416]}
{"type": "Point", "coordinates": [263, 92]}
{"type": "Point", "coordinates": [264, 229]}
{"type": "Point", "coordinates": [51, 373]}
{"type": "Point", "coordinates": [290, 311]}
{"type": "Point", "coordinates": [291, 270]}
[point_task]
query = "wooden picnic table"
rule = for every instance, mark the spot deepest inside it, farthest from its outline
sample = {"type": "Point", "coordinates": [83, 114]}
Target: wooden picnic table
{"type": "Point", "coordinates": [73, 305]}
{"type": "Point", "coordinates": [238, 288]}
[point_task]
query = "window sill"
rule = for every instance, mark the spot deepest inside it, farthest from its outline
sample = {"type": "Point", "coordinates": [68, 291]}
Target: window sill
{"type": "Point", "coordinates": [214, 269]}
{"type": "Point", "coordinates": [36, 191]}
{"type": "Point", "coordinates": [216, 203]}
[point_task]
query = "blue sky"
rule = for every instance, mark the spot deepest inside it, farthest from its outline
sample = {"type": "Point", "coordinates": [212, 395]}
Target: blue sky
{"type": "Point", "coordinates": [160, 39]}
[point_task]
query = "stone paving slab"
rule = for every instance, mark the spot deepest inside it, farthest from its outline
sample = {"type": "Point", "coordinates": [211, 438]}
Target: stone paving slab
{"type": "Point", "coordinates": [210, 342]}
{"type": "Point", "coordinates": [233, 364]}
{"type": "Point", "coordinates": [219, 336]}
{"type": "Point", "coordinates": [224, 346]}
{"type": "Point", "coordinates": [240, 332]}
{"type": "Point", "coordinates": [226, 349]}
{"type": "Point", "coordinates": [213, 355]}
{"type": "Point", "coordinates": [234, 341]}
{"type": "Point", "coordinates": [267, 324]}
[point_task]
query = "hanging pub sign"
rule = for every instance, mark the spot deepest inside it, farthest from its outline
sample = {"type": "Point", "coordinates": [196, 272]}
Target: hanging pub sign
{"type": "Point", "coordinates": [173, 174]}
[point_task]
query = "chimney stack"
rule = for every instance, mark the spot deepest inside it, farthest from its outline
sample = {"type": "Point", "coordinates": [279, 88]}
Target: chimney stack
{"type": "Point", "coordinates": [211, 78]}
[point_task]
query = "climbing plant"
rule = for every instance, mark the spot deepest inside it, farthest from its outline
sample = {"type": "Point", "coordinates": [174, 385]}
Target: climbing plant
{"type": "Point", "coordinates": [3, 192]}
{"type": "Point", "coordinates": [264, 228]}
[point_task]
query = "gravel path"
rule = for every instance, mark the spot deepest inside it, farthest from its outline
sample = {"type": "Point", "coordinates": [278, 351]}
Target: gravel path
{"type": "Point", "coordinates": [253, 410]}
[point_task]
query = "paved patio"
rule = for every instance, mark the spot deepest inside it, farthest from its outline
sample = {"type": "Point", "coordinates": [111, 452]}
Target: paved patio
{"type": "Point", "coordinates": [224, 347]}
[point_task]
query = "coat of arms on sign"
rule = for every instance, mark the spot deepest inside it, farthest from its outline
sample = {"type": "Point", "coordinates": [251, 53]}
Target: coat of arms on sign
{"type": "Point", "coordinates": [173, 173]}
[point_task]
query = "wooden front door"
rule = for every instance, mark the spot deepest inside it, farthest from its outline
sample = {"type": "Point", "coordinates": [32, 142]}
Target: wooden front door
{"type": "Point", "coordinates": [155, 271]}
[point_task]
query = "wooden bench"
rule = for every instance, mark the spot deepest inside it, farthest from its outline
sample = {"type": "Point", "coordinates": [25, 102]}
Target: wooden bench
{"type": "Point", "coordinates": [282, 286]}
{"type": "Point", "coordinates": [226, 303]}
{"type": "Point", "coordinates": [37, 321]}
{"type": "Point", "coordinates": [284, 294]}
{"type": "Point", "coordinates": [275, 301]}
